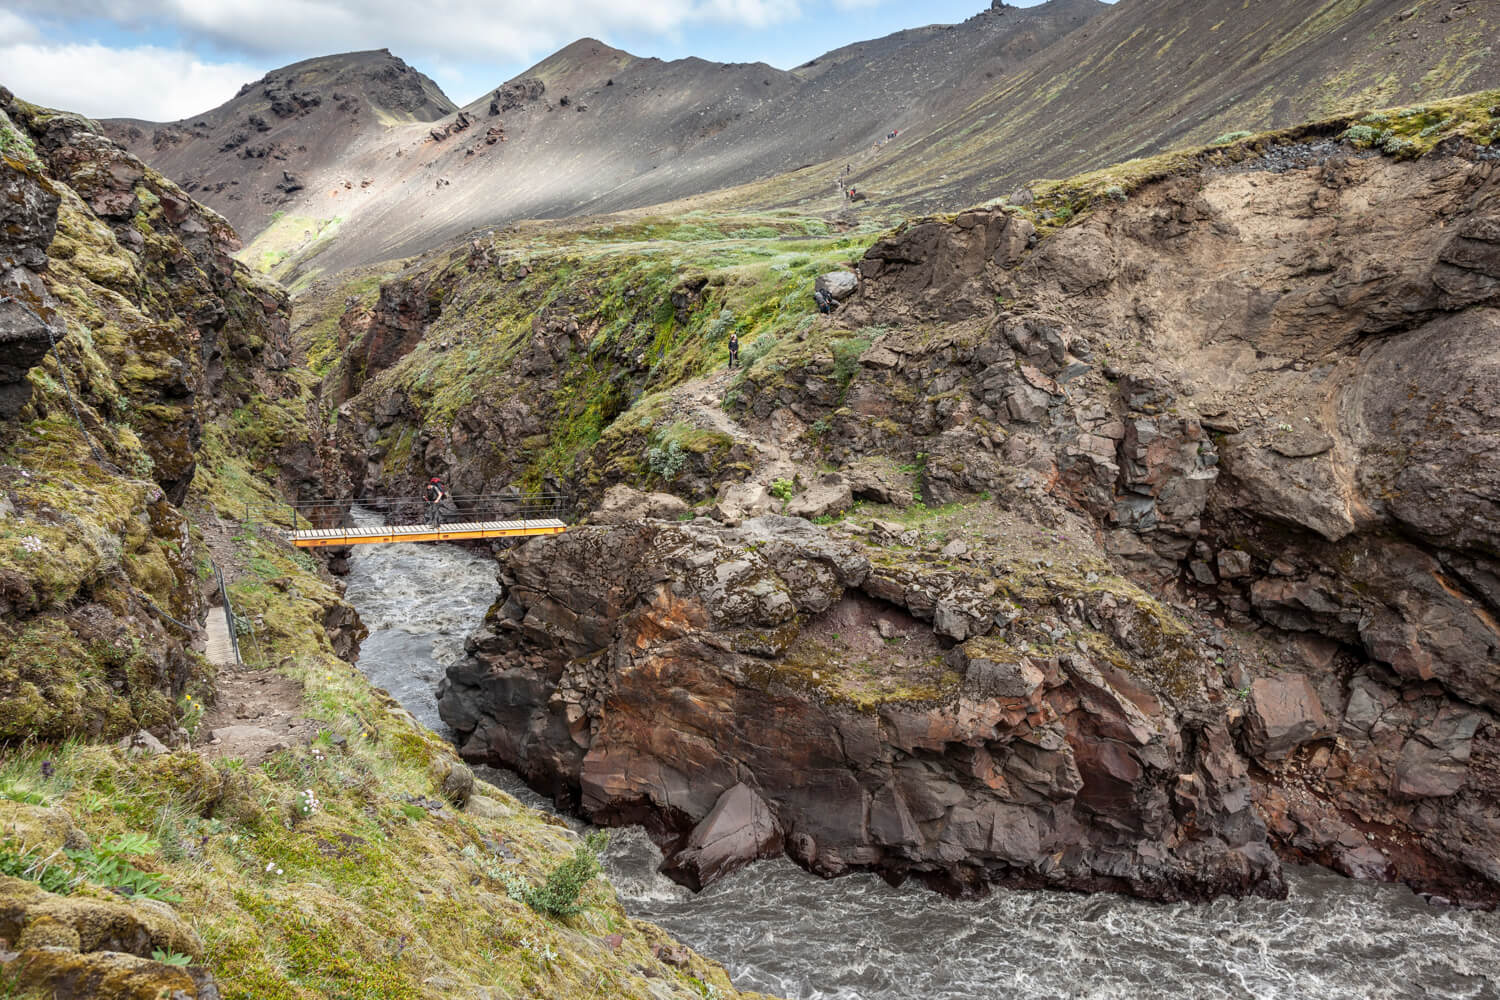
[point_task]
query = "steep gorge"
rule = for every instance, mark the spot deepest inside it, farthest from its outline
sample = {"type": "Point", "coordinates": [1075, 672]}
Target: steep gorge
{"type": "Point", "coordinates": [1188, 457]}
{"type": "Point", "coordinates": [1138, 536]}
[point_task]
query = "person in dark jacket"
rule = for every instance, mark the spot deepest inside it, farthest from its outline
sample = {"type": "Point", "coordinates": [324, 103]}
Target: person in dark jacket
{"type": "Point", "coordinates": [435, 494]}
{"type": "Point", "coordinates": [734, 350]}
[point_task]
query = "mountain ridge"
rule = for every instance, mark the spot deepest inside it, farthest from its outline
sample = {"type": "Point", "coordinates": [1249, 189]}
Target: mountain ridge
{"type": "Point", "coordinates": [975, 110]}
{"type": "Point", "coordinates": [1299, 65]}
{"type": "Point", "coordinates": [638, 131]}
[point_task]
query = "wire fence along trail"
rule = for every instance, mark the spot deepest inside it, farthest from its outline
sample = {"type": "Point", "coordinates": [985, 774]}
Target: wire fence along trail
{"type": "Point", "coordinates": [368, 515]}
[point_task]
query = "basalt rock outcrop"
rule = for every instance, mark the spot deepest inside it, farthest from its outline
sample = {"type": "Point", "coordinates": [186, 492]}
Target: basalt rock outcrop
{"type": "Point", "coordinates": [179, 347]}
{"type": "Point", "coordinates": [735, 689]}
{"type": "Point", "coordinates": [28, 219]}
{"type": "Point", "coordinates": [1262, 392]}
{"type": "Point", "coordinates": [1272, 388]}
{"type": "Point", "coordinates": [374, 339]}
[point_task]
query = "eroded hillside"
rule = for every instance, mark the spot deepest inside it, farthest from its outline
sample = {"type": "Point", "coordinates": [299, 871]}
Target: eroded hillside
{"type": "Point", "coordinates": [1127, 502]}
{"type": "Point", "coordinates": [982, 107]}
{"type": "Point", "coordinates": [1148, 76]}
{"type": "Point", "coordinates": [251, 156]}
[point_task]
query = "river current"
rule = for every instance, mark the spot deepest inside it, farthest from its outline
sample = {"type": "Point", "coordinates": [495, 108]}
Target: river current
{"type": "Point", "coordinates": [783, 931]}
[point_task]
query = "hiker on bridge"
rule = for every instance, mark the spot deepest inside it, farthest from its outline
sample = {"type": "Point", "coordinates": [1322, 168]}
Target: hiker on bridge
{"type": "Point", "coordinates": [435, 495]}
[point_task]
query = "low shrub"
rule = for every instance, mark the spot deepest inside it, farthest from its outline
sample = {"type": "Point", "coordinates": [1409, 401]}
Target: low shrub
{"type": "Point", "coordinates": [558, 895]}
{"type": "Point", "coordinates": [1363, 136]}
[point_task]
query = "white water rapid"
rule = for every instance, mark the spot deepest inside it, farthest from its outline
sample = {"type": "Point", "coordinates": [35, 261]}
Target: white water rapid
{"type": "Point", "coordinates": [780, 930]}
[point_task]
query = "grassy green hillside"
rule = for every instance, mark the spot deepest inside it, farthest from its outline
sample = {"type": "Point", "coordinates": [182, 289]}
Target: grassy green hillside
{"type": "Point", "coordinates": [352, 855]}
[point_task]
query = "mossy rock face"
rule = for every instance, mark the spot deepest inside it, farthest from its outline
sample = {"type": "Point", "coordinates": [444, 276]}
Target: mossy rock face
{"type": "Point", "coordinates": [48, 932]}
{"type": "Point", "coordinates": [50, 685]}
{"type": "Point", "coordinates": [99, 924]}
{"type": "Point", "coordinates": [548, 375]}
{"type": "Point", "coordinates": [159, 326]}
{"type": "Point", "coordinates": [39, 828]}
{"type": "Point", "coordinates": [63, 974]}
{"type": "Point", "coordinates": [179, 362]}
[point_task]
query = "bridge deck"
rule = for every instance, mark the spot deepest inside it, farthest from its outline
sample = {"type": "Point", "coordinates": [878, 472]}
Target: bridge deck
{"type": "Point", "coordinates": [219, 648]}
{"type": "Point", "coordinates": [317, 537]}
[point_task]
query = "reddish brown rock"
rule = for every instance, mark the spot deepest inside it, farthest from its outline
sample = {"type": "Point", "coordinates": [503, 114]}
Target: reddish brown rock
{"type": "Point", "coordinates": [739, 829]}
{"type": "Point", "coordinates": [679, 674]}
{"type": "Point", "coordinates": [1284, 714]}
{"type": "Point", "coordinates": [1434, 761]}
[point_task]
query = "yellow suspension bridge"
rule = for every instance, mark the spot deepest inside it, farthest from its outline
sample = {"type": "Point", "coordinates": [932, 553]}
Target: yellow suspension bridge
{"type": "Point", "coordinates": [370, 521]}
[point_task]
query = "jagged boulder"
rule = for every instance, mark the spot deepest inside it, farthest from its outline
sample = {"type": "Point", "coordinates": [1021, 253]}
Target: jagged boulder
{"type": "Point", "coordinates": [1434, 761]}
{"type": "Point", "coordinates": [839, 284]}
{"type": "Point", "coordinates": [830, 494]}
{"type": "Point", "coordinates": [624, 505]}
{"type": "Point", "coordinates": [1284, 714]}
{"type": "Point", "coordinates": [738, 830]}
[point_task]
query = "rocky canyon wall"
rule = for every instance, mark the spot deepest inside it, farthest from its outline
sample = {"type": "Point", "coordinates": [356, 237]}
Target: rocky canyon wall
{"type": "Point", "coordinates": [159, 333]}
{"type": "Point", "coordinates": [1258, 400]}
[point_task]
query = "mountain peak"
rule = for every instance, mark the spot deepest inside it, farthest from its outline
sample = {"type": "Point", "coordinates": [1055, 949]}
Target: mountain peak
{"type": "Point", "coordinates": [579, 63]}
{"type": "Point", "coordinates": [391, 87]}
{"type": "Point", "coordinates": [267, 138]}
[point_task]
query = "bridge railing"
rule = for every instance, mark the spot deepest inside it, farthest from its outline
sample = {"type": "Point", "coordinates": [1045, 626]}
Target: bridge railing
{"type": "Point", "coordinates": [405, 510]}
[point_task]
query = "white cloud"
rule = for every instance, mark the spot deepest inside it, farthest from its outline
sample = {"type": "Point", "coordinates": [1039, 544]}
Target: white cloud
{"type": "Point", "coordinates": [13, 29]}
{"type": "Point", "coordinates": [109, 74]}
{"type": "Point", "coordinates": [751, 13]}
{"type": "Point", "coordinates": [502, 30]}
{"type": "Point", "coordinates": [144, 82]}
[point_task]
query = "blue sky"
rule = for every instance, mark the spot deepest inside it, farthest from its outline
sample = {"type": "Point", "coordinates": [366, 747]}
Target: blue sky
{"type": "Point", "coordinates": [168, 59]}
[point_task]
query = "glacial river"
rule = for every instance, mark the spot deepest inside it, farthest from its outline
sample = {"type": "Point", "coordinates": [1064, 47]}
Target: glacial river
{"type": "Point", "coordinates": [782, 931]}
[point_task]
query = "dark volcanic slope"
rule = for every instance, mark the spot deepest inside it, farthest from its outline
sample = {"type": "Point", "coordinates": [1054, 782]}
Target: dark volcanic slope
{"type": "Point", "coordinates": [294, 121]}
{"type": "Point", "coordinates": [856, 95]}
{"type": "Point", "coordinates": [1007, 96]}
{"type": "Point", "coordinates": [637, 132]}
{"type": "Point", "coordinates": [592, 128]}
{"type": "Point", "coordinates": [1152, 74]}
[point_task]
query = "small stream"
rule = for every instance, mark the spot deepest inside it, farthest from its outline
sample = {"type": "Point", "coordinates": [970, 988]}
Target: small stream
{"type": "Point", "coordinates": [782, 931]}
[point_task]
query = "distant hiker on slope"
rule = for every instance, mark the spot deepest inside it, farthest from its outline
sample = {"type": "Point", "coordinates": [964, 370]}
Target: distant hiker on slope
{"type": "Point", "coordinates": [435, 494]}
{"type": "Point", "coordinates": [734, 350]}
{"type": "Point", "coordinates": [824, 301]}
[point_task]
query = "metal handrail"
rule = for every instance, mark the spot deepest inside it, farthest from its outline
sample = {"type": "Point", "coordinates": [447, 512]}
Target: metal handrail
{"type": "Point", "coordinates": [336, 512]}
{"type": "Point", "coordinates": [162, 614]}
{"type": "Point", "coordinates": [229, 617]}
